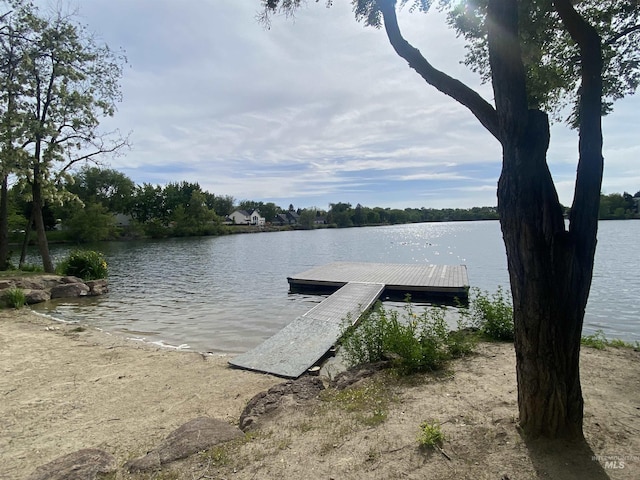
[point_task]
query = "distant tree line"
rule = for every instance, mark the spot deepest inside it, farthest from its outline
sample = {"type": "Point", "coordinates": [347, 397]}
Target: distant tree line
{"type": "Point", "coordinates": [618, 207]}
{"type": "Point", "coordinates": [104, 204]}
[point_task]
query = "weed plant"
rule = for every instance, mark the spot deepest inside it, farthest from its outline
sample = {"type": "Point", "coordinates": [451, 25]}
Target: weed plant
{"type": "Point", "coordinates": [14, 297]}
{"type": "Point", "coordinates": [414, 343]}
{"type": "Point", "coordinates": [430, 436]}
{"type": "Point", "coordinates": [86, 264]}
{"type": "Point", "coordinates": [491, 314]}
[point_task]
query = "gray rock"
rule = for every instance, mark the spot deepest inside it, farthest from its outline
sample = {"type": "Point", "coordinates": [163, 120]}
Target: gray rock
{"type": "Point", "coordinates": [36, 296]}
{"type": "Point", "coordinates": [304, 388]}
{"type": "Point", "coordinates": [30, 284]}
{"type": "Point", "coordinates": [194, 436]}
{"type": "Point", "coordinates": [70, 279]}
{"type": "Point", "coordinates": [97, 287]}
{"type": "Point", "coordinates": [4, 284]}
{"type": "Point", "coordinates": [69, 290]}
{"type": "Point", "coordinates": [87, 464]}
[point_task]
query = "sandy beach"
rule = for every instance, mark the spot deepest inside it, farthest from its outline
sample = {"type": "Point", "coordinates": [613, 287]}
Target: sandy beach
{"type": "Point", "coordinates": [62, 389]}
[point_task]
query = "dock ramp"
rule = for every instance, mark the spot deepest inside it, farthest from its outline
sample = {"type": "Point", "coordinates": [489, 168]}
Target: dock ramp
{"type": "Point", "coordinates": [299, 345]}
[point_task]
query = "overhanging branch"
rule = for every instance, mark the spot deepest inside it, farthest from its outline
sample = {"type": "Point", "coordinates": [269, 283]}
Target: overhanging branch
{"type": "Point", "coordinates": [450, 86]}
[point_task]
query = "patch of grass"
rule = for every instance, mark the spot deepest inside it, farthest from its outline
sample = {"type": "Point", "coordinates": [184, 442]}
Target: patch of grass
{"type": "Point", "coordinates": [372, 455]}
{"type": "Point", "coordinates": [430, 435]}
{"type": "Point", "coordinates": [14, 297]}
{"type": "Point", "coordinates": [369, 401]}
{"type": "Point", "coordinates": [31, 268]}
{"type": "Point", "coordinates": [598, 341]}
{"type": "Point", "coordinates": [217, 456]}
{"type": "Point", "coordinates": [414, 343]}
{"type": "Point", "coordinates": [305, 427]}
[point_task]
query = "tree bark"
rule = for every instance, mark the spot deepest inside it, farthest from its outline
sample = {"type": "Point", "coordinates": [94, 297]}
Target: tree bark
{"type": "Point", "coordinates": [43, 244]}
{"type": "Point", "coordinates": [25, 240]}
{"type": "Point", "coordinates": [36, 213]}
{"type": "Point", "coordinates": [548, 301]}
{"type": "Point", "coordinates": [549, 273]}
{"type": "Point", "coordinates": [4, 225]}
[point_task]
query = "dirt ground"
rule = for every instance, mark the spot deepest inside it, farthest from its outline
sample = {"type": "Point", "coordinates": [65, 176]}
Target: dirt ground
{"type": "Point", "coordinates": [62, 390]}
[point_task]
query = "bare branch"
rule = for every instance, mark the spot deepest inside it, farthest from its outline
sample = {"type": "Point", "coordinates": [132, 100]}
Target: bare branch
{"type": "Point", "coordinates": [621, 34]}
{"type": "Point", "coordinates": [450, 86]}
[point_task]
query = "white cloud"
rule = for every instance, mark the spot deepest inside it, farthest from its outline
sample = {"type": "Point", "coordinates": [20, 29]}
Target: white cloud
{"type": "Point", "coordinates": [316, 109]}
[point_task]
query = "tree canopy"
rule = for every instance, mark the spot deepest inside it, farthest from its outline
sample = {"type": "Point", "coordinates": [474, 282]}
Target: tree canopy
{"type": "Point", "coordinates": [58, 83]}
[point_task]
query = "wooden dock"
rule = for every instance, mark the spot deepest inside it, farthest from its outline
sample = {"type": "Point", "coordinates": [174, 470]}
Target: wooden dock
{"type": "Point", "coordinates": [423, 282]}
{"type": "Point", "coordinates": [356, 286]}
{"type": "Point", "coordinates": [290, 352]}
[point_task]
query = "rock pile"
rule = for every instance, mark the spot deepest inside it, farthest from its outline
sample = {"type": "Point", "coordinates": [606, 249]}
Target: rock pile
{"type": "Point", "coordinates": [46, 287]}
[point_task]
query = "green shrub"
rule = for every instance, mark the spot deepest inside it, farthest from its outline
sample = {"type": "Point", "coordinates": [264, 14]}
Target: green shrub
{"type": "Point", "coordinates": [14, 297]}
{"type": "Point", "coordinates": [492, 314]}
{"type": "Point", "coordinates": [86, 264]}
{"type": "Point", "coordinates": [414, 343]}
{"type": "Point", "coordinates": [598, 341]}
{"type": "Point", "coordinates": [431, 435]}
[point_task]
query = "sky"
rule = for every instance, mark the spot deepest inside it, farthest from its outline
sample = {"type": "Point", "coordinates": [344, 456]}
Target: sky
{"type": "Point", "coordinates": [315, 110]}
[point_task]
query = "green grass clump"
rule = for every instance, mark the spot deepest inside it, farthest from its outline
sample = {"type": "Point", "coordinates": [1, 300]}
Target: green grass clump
{"type": "Point", "coordinates": [414, 343]}
{"type": "Point", "coordinates": [368, 402]}
{"type": "Point", "coordinates": [27, 267]}
{"type": "Point", "coordinates": [598, 341]}
{"type": "Point", "coordinates": [14, 297]}
{"type": "Point", "coordinates": [86, 264]}
{"type": "Point", "coordinates": [430, 435]}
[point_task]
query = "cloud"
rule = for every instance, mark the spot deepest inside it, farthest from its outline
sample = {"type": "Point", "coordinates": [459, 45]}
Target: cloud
{"type": "Point", "coordinates": [315, 110]}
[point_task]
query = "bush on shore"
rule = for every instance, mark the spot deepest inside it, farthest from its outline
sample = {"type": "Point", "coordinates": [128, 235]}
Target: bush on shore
{"type": "Point", "coordinates": [413, 343]}
{"type": "Point", "coordinates": [85, 264]}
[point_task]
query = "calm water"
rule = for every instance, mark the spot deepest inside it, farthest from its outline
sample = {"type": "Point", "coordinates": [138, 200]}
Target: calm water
{"type": "Point", "coordinates": [227, 294]}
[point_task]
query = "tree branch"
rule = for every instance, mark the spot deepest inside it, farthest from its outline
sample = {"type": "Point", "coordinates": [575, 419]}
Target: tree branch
{"type": "Point", "coordinates": [457, 90]}
{"type": "Point", "coordinates": [621, 34]}
{"type": "Point", "coordinates": [586, 200]}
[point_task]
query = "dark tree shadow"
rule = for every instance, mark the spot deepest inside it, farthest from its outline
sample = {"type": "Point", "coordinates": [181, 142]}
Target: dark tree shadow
{"type": "Point", "coordinates": [560, 459]}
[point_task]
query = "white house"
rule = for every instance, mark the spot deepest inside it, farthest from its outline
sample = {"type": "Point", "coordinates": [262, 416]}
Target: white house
{"type": "Point", "coordinates": [242, 217]}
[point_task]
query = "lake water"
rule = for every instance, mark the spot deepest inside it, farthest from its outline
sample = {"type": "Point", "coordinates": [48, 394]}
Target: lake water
{"type": "Point", "coordinates": [227, 294]}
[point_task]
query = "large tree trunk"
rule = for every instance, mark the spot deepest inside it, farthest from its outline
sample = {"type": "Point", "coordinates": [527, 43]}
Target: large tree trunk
{"type": "Point", "coordinates": [550, 267]}
{"type": "Point", "coordinates": [43, 244]}
{"type": "Point", "coordinates": [4, 225]}
{"type": "Point", "coordinates": [549, 285]}
{"type": "Point", "coordinates": [25, 240]}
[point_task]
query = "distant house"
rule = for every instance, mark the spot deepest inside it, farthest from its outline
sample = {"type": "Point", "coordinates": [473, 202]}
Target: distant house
{"type": "Point", "coordinates": [242, 217]}
{"type": "Point", "coordinates": [293, 217]}
{"type": "Point", "coordinates": [287, 218]}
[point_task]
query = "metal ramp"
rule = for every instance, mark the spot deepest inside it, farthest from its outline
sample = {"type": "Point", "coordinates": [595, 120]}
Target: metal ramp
{"type": "Point", "coordinates": [299, 345]}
